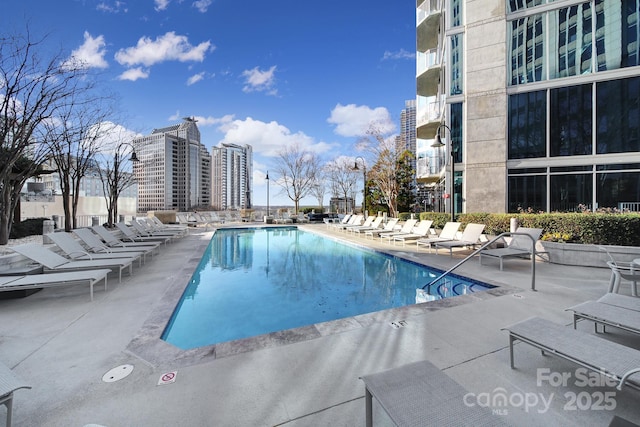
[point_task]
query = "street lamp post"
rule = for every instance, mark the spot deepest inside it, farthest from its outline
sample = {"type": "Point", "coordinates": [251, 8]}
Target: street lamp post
{"type": "Point", "coordinates": [437, 144]}
{"type": "Point", "coordinates": [364, 181]}
{"type": "Point", "coordinates": [267, 178]}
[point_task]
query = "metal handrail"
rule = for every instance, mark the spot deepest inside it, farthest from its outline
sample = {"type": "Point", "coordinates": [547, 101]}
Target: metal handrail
{"type": "Point", "coordinates": [508, 233]}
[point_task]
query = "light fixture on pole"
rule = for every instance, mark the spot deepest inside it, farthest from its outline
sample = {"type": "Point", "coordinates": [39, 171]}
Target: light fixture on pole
{"type": "Point", "coordinates": [437, 144]}
{"type": "Point", "coordinates": [267, 178]}
{"type": "Point", "coordinates": [364, 181]}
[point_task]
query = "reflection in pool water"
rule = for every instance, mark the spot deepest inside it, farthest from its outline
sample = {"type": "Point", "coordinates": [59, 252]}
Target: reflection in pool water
{"type": "Point", "coordinates": [253, 281]}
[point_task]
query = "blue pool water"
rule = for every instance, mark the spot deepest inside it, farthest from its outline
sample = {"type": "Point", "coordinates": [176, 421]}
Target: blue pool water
{"type": "Point", "coordinates": [253, 281]}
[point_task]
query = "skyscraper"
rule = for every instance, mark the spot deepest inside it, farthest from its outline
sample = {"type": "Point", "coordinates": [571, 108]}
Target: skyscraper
{"type": "Point", "coordinates": [174, 171]}
{"type": "Point", "coordinates": [231, 173]}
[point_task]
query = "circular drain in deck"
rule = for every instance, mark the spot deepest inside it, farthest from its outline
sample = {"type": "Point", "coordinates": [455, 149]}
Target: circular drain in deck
{"type": "Point", "coordinates": [117, 373]}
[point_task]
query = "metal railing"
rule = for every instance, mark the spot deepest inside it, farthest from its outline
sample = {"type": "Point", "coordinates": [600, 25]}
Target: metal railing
{"type": "Point", "coordinates": [484, 246]}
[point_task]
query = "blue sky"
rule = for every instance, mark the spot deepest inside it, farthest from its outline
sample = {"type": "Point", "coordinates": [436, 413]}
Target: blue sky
{"type": "Point", "coordinates": [265, 73]}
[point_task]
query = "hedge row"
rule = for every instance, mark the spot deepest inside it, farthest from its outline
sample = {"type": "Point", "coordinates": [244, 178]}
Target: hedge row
{"type": "Point", "coordinates": [588, 228]}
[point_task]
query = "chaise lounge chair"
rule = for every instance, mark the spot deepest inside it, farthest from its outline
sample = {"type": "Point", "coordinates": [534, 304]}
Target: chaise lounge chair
{"type": "Point", "coordinates": [113, 242]}
{"type": "Point", "coordinates": [54, 262]}
{"type": "Point", "coordinates": [448, 233]}
{"type": "Point", "coordinates": [624, 301]}
{"type": "Point", "coordinates": [367, 223]}
{"type": "Point", "coordinates": [520, 246]}
{"type": "Point", "coordinates": [9, 383]}
{"type": "Point", "coordinates": [74, 250]}
{"type": "Point", "coordinates": [420, 394]}
{"type": "Point", "coordinates": [49, 280]}
{"type": "Point", "coordinates": [129, 234]}
{"type": "Point", "coordinates": [388, 228]}
{"type": "Point", "coordinates": [470, 237]}
{"type": "Point", "coordinates": [96, 245]}
{"type": "Point", "coordinates": [407, 228]}
{"type": "Point", "coordinates": [606, 315]}
{"type": "Point", "coordinates": [418, 232]}
{"type": "Point", "coordinates": [590, 351]}
{"type": "Point", "coordinates": [140, 230]}
{"type": "Point", "coordinates": [374, 226]}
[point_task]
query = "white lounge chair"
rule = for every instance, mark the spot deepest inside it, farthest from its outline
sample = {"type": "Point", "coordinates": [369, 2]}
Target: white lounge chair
{"type": "Point", "coordinates": [448, 233]}
{"type": "Point", "coordinates": [520, 246]}
{"type": "Point", "coordinates": [51, 261]}
{"type": "Point", "coordinates": [418, 232]}
{"type": "Point", "coordinates": [367, 223]}
{"type": "Point", "coordinates": [624, 301]}
{"type": "Point", "coordinates": [97, 245]}
{"type": "Point", "coordinates": [112, 241]}
{"type": "Point", "coordinates": [129, 234]}
{"type": "Point", "coordinates": [470, 237]}
{"type": "Point", "coordinates": [389, 227]}
{"type": "Point", "coordinates": [331, 222]}
{"type": "Point", "coordinates": [374, 226]}
{"type": "Point", "coordinates": [49, 280]}
{"type": "Point", "coordinates": [155, 224]}
{"type": "Point", "coordinates": [143, 231]}
{"type": "Point", "coordinates": [9, 383]}
{"type": "Point", "coordinates": [406, 229]}
{"type": "Point", "coordinates": [74, 250]}
{"type": "Point", "coordinates": [354, 220]}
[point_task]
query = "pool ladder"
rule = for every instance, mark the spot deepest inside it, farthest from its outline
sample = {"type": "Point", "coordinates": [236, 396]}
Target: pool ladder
{"type": "Point", "coordinates": [508, 233]}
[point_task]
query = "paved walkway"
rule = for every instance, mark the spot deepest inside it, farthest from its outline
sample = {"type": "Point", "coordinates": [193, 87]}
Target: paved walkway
{"type": "Point", "coordinates": [63, 344]}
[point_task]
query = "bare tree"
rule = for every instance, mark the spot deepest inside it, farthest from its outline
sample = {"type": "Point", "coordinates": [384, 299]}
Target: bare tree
{"type": "Point", "coordinates": [297, 169]}
{"type": "Point", "coordinates": [32, 89]}
{"type": "Point", "coordinates": [384, 172]}
{"type": "Point", "coordinates": [342, 178]}
{"type": "Point", "coordinates": [75, 139]}
{"type": "Point", "coordinates": [319, 188]}
{"type": "Point", "coordinates": [115, 168]}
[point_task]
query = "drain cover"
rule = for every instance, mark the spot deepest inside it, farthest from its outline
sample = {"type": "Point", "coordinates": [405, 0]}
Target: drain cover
{"type": "Point", "coordinates": [117, 373]}
{"type": "Point", "coordinates": [398, 324]}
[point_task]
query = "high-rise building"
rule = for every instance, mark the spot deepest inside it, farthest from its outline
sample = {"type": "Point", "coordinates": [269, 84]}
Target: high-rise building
{"type": "Point", "coordinates": [537, 102]}
{"type": "Point", "coordinates": [174, 171]}
{"type": "Point", "coordinates": [232, 177]}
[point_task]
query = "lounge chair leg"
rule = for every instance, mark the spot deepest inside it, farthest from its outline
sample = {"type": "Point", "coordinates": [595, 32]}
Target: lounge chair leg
{"type": "Point", "coordinates": [368, 408]}
{"type": "Point", "coordinates": [511, 340]}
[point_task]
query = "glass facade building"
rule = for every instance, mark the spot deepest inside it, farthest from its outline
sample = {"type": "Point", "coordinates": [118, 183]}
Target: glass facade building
{"type": "Point", "coordinates": [553, 124]}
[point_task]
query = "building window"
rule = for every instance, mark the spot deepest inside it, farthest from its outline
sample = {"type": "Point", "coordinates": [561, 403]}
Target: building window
{"type": "Point", "coordinates": [456, 65]}
{"type": "Point", "coordinates": [457, 131]}
{"type": "Point", "coordinates": [615, 187]}
{"type": "Point", "coordinates": [527, 125]}
{"type": "Point", "coordinates": [526, 45]}
{"type": "Point", "coordinates": [571, 121]}
{"type": "Point", "coordinates": [618, 116]}
{"type": "Point", "coordinates": [571, 191]}
{"type": "Point", "coordinates": [528, 192]}
{"type": "Point", "coordinates": [456, 13]}
{"type": "Point", "coordinates": [570, 41]}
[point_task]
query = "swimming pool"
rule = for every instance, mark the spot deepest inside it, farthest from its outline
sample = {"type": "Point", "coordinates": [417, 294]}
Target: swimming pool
{"type": "Point", "coordinates": [253, 281]}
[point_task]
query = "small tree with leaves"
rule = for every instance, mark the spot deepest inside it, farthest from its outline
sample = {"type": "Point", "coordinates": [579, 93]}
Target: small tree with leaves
{"type": "Point", "coordinates": [405, 176]}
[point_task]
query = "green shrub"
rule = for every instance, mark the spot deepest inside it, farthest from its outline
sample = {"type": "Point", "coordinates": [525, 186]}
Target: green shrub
{"type": "Point", "coordinates": [28, 227]}
{"type": "Point", "coordinates": [588, 228]}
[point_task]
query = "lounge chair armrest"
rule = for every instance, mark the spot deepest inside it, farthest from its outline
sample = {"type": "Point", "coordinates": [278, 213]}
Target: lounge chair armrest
{"type": "Point", "coordinates": [625, 376]}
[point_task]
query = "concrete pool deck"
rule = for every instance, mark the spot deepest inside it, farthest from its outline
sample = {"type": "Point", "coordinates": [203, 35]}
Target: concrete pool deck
{"type": "Point", "coordinates": [63, 344]}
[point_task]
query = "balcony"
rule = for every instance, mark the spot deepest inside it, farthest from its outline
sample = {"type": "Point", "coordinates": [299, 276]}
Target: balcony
{"type": "Point", "coordinates": [428, 24]}
{"type": "Point", "coordinates": [428, 68]}
{"type": "Point", "coordinates": [428, 114]}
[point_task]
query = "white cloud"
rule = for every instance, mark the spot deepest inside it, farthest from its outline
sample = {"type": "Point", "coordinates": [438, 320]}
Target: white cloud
{"type": "Point", "coordinates": [260, 81]}
{"type": "Point", "coordinates": [134, 74]}
{"type": "Point", "coordinates": [168, 47]}
{"type": "Point", "coordinates": [353, 120]}
{"type": "Point", "coordinates": [202, 5]}
{"type": "Point", "coordinates": [89, 55]}
{"type": "Point", "coordinates": [161, 4]}
{"type": "Point", "coordinates": [204, 121]}
{"type": "Point", "coordinates": [195, 78]}
{"type": "Point", "coordinates": [401, 54]}
{"type": "Point", "coordinates": [114, 7]}
{"type": "Point", "coordinates": [268, 139]}
{"type": "Point", "coordinates": [110, 134]}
